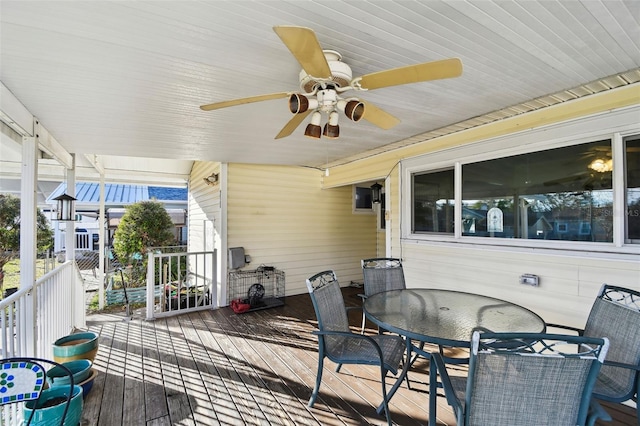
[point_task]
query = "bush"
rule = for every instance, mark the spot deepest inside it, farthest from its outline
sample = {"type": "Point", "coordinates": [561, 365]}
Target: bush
{"type": "Point", "coordinates": [144, 225]}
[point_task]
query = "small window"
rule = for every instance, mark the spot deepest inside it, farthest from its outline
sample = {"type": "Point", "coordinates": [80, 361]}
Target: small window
{"type": "Point", "coordinates": [362, 199]}
{"type": "Point", "coordinates": [383, 209]}
{"type": "Point", "coordinates": [433, 202]}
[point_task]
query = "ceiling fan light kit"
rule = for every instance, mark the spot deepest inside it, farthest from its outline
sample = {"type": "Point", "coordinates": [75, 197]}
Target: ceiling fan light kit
{"type": "Point", "coordinates": [331, 129]}
{"type": "Point", "coordinates": [313, 129]}
{"type": "Point", "coordinates": [324, 77]}
{"type": "Point", "coordinates": [353, 109]}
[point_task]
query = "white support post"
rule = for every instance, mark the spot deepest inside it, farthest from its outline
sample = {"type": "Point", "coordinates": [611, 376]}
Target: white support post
{"type": "Point", "coordinates": [101, 244]}
{"type": "Point", "coordinates": [78, 290]}
{"type": "Point", "coordinates": [150, 286]}
{"type": "Point", "coordinates": [70, 227]}
{"type": "Point", "coordinates": [28, 235]}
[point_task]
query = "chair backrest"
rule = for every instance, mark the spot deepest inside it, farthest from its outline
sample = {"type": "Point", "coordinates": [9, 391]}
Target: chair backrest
{"type": "Point", "coordinates": [24, 379]}
{"type": "Point", "coordinates": [382, 274]}
{"type": "Point", "coordinates": [616, 314]}
{"type": "Point", "coordinates": [328, 303]}
{"type": "Point", "coordinates": [528, 378]}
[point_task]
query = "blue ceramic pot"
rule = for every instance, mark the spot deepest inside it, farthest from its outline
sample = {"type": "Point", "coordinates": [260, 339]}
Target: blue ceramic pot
{"type": "Point", "coordinates": [87, 384]}
{"type": "Point", "coordinates": [52, 415]}
{"type": "Point", "coordinates": [76, 346]}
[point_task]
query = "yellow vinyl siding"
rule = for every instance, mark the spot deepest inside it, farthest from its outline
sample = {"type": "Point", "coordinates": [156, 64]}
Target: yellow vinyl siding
{"type": "Point", "coordinates": [380, 165]}
{"type": "Point", "coordinates": [205, 205]}
{"type": "Point", "coordinates": [567, 288]}
{"type": "Point", "coordinates": [283, 218]}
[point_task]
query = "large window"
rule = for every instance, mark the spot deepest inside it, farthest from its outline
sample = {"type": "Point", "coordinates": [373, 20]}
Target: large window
{"type": "Point", "coordinates": [564, 193]}
{"type": "Point", "coordinates": [558, 194]}
{"type": "Point", "coordinates": [632, 161]}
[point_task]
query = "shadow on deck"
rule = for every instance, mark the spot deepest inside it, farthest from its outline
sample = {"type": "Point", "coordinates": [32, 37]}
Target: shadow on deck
{"type": "Point", "coordinates": [216, 367]}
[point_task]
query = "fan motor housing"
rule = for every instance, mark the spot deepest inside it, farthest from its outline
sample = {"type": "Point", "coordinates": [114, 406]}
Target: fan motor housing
{"type": "Point", "coordinates": [341, 74]}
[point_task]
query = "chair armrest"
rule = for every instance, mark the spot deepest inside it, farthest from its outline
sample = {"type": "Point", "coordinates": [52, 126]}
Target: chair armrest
{"type": "Point", "coordinates": [621, 365]}
{"type": "Point", "coordinates": [449, 392]}
{"type": "Point", "coordinates": [580, 331]}
{"type": "Point", "coordinates": [597, 412]}
{"type": "Point", "coordinates": [352, 336]}
{"type": "Point", "coordinates": [362, 296]}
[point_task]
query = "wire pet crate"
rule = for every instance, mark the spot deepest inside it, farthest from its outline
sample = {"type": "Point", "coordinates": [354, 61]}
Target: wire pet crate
{"type": "Point", "coordinates": [260, 288]}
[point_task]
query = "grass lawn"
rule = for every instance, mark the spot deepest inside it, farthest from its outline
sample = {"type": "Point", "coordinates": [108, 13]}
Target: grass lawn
{"type": "Point", "coordinates": [12, 272]}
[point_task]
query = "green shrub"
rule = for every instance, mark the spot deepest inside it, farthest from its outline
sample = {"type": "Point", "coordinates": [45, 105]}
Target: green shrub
{"type": "Point", "coordinates": [144, 225]}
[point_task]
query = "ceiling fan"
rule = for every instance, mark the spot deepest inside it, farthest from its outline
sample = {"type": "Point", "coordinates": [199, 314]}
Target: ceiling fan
{"type": "Point", "coordinates": [324, 78]}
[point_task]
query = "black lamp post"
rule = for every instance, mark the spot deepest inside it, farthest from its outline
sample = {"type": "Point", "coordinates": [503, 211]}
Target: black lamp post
{"type": "Point", "coordinates": [65, 208]}
{"type": "Point", "coordinates": [375, 193]}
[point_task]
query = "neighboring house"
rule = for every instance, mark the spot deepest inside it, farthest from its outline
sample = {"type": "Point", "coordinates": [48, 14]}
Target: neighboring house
{"type": "Point", "coordinates": [117, 197]}
{"type": "Point", "coordinates": [303, 221]}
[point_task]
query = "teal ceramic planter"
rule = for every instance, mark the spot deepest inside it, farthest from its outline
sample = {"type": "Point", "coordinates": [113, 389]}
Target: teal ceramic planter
{"type": "Point", "coordinates": [81, 369]}
{"type": "Point", "coordinates": [76, 346]}
{"type": "Point", "coordinates": [51, 416]}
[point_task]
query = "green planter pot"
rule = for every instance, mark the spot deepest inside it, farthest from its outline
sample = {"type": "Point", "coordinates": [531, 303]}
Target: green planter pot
{"type": "Point", "coordinates": [51, 416]}
{"type": "Point", "coordinates": [76, 346]}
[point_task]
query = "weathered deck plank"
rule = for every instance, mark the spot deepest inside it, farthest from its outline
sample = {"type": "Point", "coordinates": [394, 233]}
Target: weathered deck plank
{"type": "Point", "coordinates": [259, 368]}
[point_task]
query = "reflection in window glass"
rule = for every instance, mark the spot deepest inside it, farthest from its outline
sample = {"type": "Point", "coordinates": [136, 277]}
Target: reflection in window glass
{"type": "Point", "coordinates": [363, 198]}
{"type": "Point", "coordinates": [632, 151]}
{"type": "Point", "coordinates": [433, 202]}
{"type": "Point", "coordinates": [558, 194]}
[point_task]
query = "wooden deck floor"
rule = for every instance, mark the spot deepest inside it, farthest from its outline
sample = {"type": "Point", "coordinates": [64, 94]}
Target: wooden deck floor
{"type": "Point", "coordinates": [219, 368]}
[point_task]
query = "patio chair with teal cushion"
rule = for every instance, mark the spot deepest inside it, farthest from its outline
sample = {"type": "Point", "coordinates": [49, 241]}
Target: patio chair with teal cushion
{"type": "Point", "coordinates": [527, 379]}
{"type": "Point", "coordinates": [616, 314]}
{"type": "Point", "coordinates": [339, 344]}
{"type": "Point", "coordinates": [381, 274]}
{"type": "Point", "coordinates": [24, 379]}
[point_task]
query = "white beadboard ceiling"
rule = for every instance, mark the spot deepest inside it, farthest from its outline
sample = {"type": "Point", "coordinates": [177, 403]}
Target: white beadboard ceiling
{"type": "Point", "coordinates": [127, 78]}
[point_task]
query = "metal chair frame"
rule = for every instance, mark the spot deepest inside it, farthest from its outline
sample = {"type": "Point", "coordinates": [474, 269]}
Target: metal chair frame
{"type": "Point", "coordinates": [372, 268]}
{"type": "Point", "coordinates": [12, 393]}
{"type": "Point", "coordinates": [619, 378]}
{"type": "Point", "coordinates": [340, 345]}
{"type": "Point", "coordinates": [518, 378]}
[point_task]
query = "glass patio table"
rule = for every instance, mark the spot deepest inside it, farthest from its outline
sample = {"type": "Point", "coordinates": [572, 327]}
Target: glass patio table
{"type": "Point", "coordinates": [445, 318]}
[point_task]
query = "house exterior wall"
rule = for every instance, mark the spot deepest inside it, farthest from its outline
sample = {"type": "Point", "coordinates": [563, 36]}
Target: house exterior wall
{"type": "Point", "coordinates": [283, 218]}
{"type": "Point", "coordinates": [568, 284]}
{"type": "Point", "coordinates": [205, 217]}
{"type": "Point", "coordinates": [569, 281]}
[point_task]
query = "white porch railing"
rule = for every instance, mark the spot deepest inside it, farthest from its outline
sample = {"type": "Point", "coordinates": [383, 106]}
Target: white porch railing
{"type": "Point", "coordinates": [35, 317]}
{"type": "Point", "coordinates": [186, 282]}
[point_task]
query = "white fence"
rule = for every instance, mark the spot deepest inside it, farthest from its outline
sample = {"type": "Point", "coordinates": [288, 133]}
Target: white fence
{"type": "Point", "coordinates": [187, 282]}
{"type": "Point", "coordinates": [35, 317]}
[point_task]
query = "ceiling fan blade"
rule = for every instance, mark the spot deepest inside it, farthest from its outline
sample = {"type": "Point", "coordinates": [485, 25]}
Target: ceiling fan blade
{"type": "Point", "coordinates": [241, 101]}
{"type": "Point", "coordinates": [446, 68]}
{"type": "Point", "coordinates": [293, 124]}
{"type": "Point", "coordinates": [304, 45]}
{"type": "Point", "coordinates": [379, 117]}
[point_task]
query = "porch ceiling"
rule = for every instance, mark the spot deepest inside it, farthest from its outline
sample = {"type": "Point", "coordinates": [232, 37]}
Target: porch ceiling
{"type": "Point", "coordinates": [125, 79]}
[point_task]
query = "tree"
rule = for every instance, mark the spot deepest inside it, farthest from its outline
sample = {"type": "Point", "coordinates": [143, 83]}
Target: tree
{"type": "Point", "coordinates": [145, 224]}
{"type": "Point", "coordinates": [10, 231]}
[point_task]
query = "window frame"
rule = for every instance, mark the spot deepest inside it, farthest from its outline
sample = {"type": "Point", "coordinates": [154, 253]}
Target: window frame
{"type": "Point", "coordinates": [615, 126]}
{"type": "Point", "coordinates": [360, 210]}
